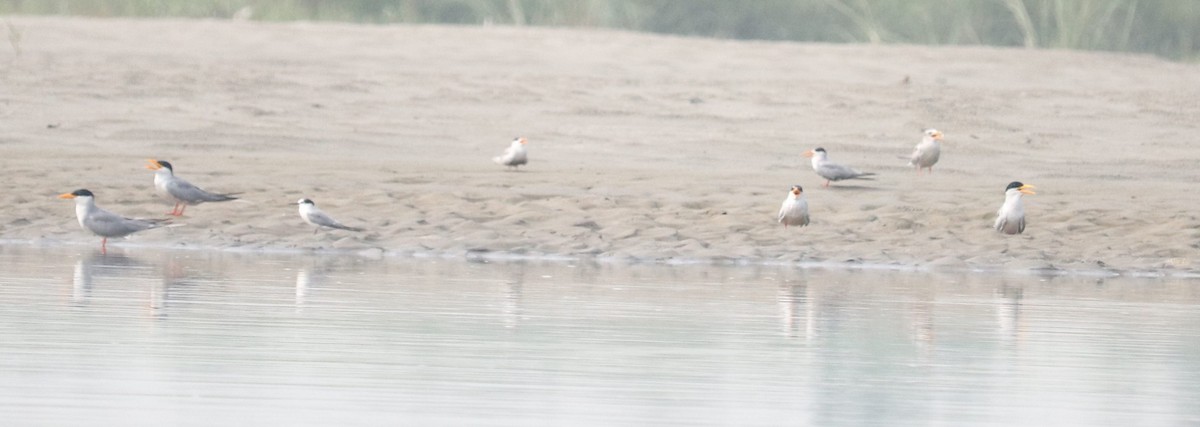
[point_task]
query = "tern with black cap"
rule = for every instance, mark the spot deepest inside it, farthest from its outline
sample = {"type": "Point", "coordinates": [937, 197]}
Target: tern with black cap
{"type": "Point", "coordinates": [181, 192]}
{"type": "Point", "coordinates": [310, 214]}
{"type": "Point", "coordinates": [832, 171]}
{"type": "Point", "coordinates": [1010, 219]}
{"type": "Point", "coordinates": [104, 223]}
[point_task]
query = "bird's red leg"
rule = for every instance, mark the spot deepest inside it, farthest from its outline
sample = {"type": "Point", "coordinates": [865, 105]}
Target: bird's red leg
{"type": "Point", "coordinates": [827, 183]}
{"type": "Point", "coordinates": [104, 246]}
{"type": "Point", "coordinates": [174, 210]}
{"type": "Point", "coordinates": [181, 208]}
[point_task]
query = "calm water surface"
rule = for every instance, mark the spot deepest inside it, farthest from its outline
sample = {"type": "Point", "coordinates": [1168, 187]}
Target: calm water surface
{"type": "Point", "coordinates": [145, 337]}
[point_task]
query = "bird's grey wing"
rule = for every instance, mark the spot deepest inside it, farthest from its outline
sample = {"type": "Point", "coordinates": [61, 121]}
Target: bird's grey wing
{"type": "Point", "coordinates": [917, 156]}
{"type": "Point", "coordinates": [320, 218]}
{"type": "Point", "coordinates": [836, 172]}
{"type": "Point", "coordinates": [926, 156]}
{"type": "Point", "coordinates": [187, 192]}
{"type": "Point", "coordinates": [1010, 225]}
{"type": "Point", "coordinates": [109, 224]}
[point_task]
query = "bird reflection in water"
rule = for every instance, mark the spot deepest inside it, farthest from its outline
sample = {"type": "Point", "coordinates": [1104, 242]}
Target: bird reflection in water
{"type": "Point", "coordinates": [511, 292]}
{"type": "Point", "coordinates": [797, 311]}
{"type": "Point", "coordinates": [123, 272]}
{"type": "Point", "coordinates": [1008, 313]}
{"type": "Point", "coordinates": [313, 276]}
{"type": "Point", "coordinates": [97, 264]}
{"type": "Point", "coordinates": [303, 283]}
{"type": "Point", "coordinates": [921, 320]}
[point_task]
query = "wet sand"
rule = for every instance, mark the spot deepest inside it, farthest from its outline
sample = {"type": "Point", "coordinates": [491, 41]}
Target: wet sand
{"type": "Point", "coordinates": [642, 147]}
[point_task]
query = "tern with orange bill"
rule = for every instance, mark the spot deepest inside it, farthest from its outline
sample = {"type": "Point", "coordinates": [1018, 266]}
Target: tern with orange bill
{"type": "Point", "coordinates": [832, 171]}
{"type": "Point", "coordinates": [181, 192]}
{"type": "Point", "coordinates": [927, 152]}
{"type": "Point", "coordinates": [795, 208]}
{"type": "Point", "coordinates": [1010, 219]}
{"type": "Point", "coordinates": [515, 155]}
{"type": "Point", "coordinates": [104, 223]}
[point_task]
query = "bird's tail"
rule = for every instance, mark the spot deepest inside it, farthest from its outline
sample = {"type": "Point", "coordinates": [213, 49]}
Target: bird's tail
{"type": "Point", "coordinates": [866, 175]}
{"type": "Point", "coordinates": [224, 197]}
{"type": "Point", "coordinates": [347, 228]}
{"type": "Point", "coordinates": [153, 223]}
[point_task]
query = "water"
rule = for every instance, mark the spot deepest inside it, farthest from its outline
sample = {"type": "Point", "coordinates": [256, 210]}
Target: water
{"type": "Point", "coordinates": [194, 338]}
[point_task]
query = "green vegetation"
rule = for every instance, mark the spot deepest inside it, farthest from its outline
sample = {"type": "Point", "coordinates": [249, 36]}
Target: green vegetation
{"type": "Point", "coordinates": [1169, 28]}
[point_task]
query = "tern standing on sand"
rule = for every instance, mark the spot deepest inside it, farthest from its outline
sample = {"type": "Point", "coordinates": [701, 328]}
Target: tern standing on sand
{"type": "Point", "coordinates": [104, 223]}
{"type": "Point", "coordinates": [832, 171]}
{"type": "Point", "coordinates": [515, 155]}
{"type": "Point", "coordinates": [310, 214]}
{"type": "Point", "coordinates": [183, 193]}
{"type": "Point", "coordinates": [795, 208]}
{"type": "Point", "coordinates": [1011, 217]}
{"type": "Point", "coordinates": [928, 151]}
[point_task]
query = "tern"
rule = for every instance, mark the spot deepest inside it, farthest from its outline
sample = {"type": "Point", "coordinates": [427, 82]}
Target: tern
{"type": "Point", "coordinates": [104, 223]}
{"type": "Point", "coordinates": [927, 152]}
{"type": "Point", "coordinates": [832, 171]}
{"type": "Point", "coordinates": [1011, 217]}
{"type": "Point", "coordinates": [515, 155]}
{"type": "Point", "coordinates": [310, 214]}
{"type": "Point", "coordinates": [183, 193]}
{"type": "Point", "coordinates": [795, 208]}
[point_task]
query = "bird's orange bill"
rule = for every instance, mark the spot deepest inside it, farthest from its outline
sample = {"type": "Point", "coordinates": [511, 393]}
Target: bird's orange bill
{"type": "Point", "coordinates": [66, 196]}
{"type": "Point", "coordinates": [938, 135]}
{"type": "Point", "coordinates": [153, 165]}
{"type": "Point", "coordinates": [809, 153]}
{"type": "Point", "coordinates": [1026, 189]}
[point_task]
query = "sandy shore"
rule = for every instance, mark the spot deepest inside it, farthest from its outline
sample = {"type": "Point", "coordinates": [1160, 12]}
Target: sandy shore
{"type": "Point", "coordinates": [641, 146]}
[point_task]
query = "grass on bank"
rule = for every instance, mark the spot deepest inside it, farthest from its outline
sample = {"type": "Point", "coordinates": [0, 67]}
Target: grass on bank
{"type": "Point", "coordinates": [1169, 28]}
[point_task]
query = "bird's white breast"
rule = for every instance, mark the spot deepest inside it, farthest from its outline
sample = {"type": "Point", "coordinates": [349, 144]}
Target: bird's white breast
{"type": "Point", "coordinates": [83, 206]}
{"type": "Point", "coordinates": [306, 210]}
{"type": "Point", "coordinates": [160, 183]}
{"type": "Point", "coordinates": [1012, 207]}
